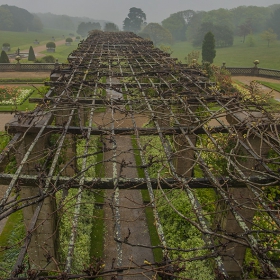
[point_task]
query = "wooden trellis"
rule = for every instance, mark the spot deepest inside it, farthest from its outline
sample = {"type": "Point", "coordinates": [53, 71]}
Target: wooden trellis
{"type": "Point", "coordinates": [119, 87]}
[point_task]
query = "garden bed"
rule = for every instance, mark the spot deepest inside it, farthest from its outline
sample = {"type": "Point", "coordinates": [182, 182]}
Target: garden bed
{"type": "Point", "coordinates": [14, 95]}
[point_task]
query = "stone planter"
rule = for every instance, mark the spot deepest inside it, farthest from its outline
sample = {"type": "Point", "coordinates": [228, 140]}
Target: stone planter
{"type": "Point", "coordinates": [51, 50]}
{"type": "Point", "coordinates": [6, 49]}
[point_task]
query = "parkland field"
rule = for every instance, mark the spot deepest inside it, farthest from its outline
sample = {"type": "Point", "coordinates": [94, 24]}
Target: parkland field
{"type": "Point", "coordinates": [240, 54]}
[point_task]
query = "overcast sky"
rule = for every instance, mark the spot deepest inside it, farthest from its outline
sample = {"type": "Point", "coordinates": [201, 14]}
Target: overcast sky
{"type": "Point", "coordinates": [117, 10]}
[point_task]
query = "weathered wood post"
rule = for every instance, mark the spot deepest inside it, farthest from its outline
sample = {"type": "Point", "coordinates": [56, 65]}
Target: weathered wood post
{"type": "Point", "coordinates": [42, 248]}
{"type": "Point", "coordinates": [244, 197]}
{"type": "Point", "coordinates": [184, 160]}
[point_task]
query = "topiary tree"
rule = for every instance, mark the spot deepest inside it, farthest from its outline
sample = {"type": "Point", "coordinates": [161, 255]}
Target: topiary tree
{"type": "Point", "coordinates": [31, 54]}
{"type": "Point", "coordinates": [69, 40]}
{"type": "Point", "coordinates": [6, 47]}
{"type": "Point", "coordinates": [4, 58]}
{"type": "Point", "coordinates": [208, 48]}
{"type": "Point", "coordinates": [51, 46]}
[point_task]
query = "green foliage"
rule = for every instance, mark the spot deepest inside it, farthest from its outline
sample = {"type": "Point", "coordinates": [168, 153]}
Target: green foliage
{"type": "Point", "coordinates": [6, 19]}
{"type": "Point", "coordinates": [83, 238]}
{"type": "Point", "coordinates": [51, 45]}
{"type": "Point", "coordinates": [48, 59]}
{"type": "Point", "coordinates": [85, 231]}
{"type": "Point", "coordinates": [6, 45]}
{"type": "Point", "coordinates": [176, 25]}
{"type": "Point", "coordinates": [4, 57]}
{"type": "Point", "coordinates": [62, 22]}
{"type": "Point", "coordinates": [158, 255]}
{"type": "Point", "coordinates": [274, 22]}
{"type": "Point", "coordinates": [69, 40]}
{"type": "Point", "coordinates": [134, 20]}
{"type": "Point", "coordinates": [111, 27]}
{"type": "Point", "coordinates": [85, 27]}
{"type": "Point", "coordinates": [180, 233]}
{"type": "Point", "coordinates": [18, 19]}
{"type": "Point", "coordinates": [11, 239]}
{"type": "Point", "coordinates": [223, 34]}
{"type": "Point", "coordinates": [269, 36]}
{"type": "Point", "coordinates": [191, 56]}
{"type": "Point", "coordinates": [45, 59]}
{"type": "Point", "coordinates": [4, 140]}
{"type": "Point", "coordinates": [158, 34]}
{"type": "Point", "coordinates": [251, 41]}
{"type": "Point", "coordinates": [31, 54]}
{"type": "Point", "coordinates": [144, 35]}
{"type": "Point", "coordinates": [208, 48]}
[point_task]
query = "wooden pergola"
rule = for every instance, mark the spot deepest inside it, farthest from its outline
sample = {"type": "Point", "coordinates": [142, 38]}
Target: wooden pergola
{"type": "Point", "coordinates": [125, 116]}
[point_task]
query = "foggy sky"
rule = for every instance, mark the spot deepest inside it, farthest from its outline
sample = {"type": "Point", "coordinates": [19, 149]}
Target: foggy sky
{"type": "Point", "coordinates": [117, 10]}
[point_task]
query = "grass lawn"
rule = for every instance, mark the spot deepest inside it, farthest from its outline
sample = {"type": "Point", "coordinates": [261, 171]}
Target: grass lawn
{"type": "Point", "coordinates": [275, 86]}
{"type": "Point", "coordinates": [62, 52]}
{"type": "Point", "coordinates": [239, 54]}
{"type": "Point", "coordinates": [13, 220]}
{"type": "Point", "coordinates": [24, 40]}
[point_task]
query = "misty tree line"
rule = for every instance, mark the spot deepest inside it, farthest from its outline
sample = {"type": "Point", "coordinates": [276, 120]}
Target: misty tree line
{"type": "Point", "coordinates": [85, 27]}
{"type": "Point", "coordinates": [223, 23]}
{"type": "Point", "coordinates": [13, 18]}
{"type": "Point", "coordinates": [181, 26]}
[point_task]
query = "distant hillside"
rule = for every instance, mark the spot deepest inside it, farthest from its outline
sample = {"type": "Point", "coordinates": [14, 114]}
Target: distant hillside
{"type": "Point", "coordinates": [64, 22]}
{"type": "Point", "coordinates": [17, 19]}
{"type": "Point", "coordinates": [243, 20]}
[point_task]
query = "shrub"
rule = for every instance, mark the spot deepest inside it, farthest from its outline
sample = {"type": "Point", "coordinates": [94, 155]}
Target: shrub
{"type": "Point", "coordinates": [6, 45]}
{"type": "Point", "coordinates": [38, 60]}
{"type": "Point", "coordinates": [48, 59]}
{"type": "Point", "coordinates": [4, 58]}
{"type": "Point", "coordinates": [31, 54]}
{"type": "Point", "coordinates": [69, 40]}
{"type": "Point", "coordinates": [50, 45]}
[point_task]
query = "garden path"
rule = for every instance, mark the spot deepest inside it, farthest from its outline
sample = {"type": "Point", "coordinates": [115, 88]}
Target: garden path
{"type": "Point", "coordinates": [131, 206]}
{"type": "Point", "coordinates": [39, 49]}
{"type": "Point", "coordinates": [247, 79]}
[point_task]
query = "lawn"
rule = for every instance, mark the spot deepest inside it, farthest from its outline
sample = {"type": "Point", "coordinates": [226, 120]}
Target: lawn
{"type": "Point", "coordinates": [239, 54]}
{"type": "Point", "coordinates": [24, 40]}
{"type": "Point", "coordinates": [275, 86]}
{"type": "Point", "coordinates": [62, 52]}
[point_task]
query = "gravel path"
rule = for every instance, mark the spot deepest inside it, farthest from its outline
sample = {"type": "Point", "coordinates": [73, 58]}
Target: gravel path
{"type": "Point", "coordinates": [24, 75]}
{"type": "Point", "coordinates": [5, 118]}
{"type": "Point", "coordinates": [131, 206]}
{"type": "Point", "coordinates": [247, 79]}
{"type": "Point", "coordinates": [39, 49]}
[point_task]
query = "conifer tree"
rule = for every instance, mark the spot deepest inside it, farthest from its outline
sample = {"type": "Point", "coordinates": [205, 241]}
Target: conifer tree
{"type": "Point", "coordinates": [4, 57]}
{"type": "Point", "coordinates": [31, 54]}
{"type": "Point", "coordinates": [208, 48]}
